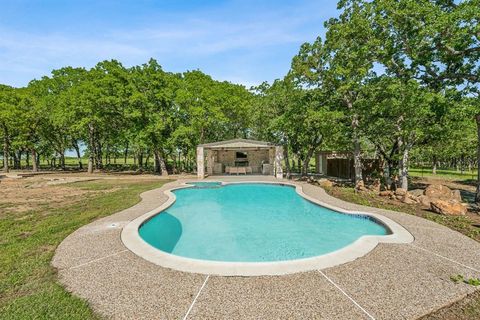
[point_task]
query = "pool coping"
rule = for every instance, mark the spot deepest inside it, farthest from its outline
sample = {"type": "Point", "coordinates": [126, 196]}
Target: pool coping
{"type": "Point", "coordinates": [362, 246]}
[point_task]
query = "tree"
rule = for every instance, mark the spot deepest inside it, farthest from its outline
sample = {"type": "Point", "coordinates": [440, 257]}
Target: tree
{"type": "Point", "coordinates": [436, 42]}
{"type": "Point", "coordinates": [151, 109]}
{"type": "Point", "coordinates": [9, 114]}
{"type": "Point", "coordinates": [351, 44]}
{"type": "Point", "coordinates": [398, 116]}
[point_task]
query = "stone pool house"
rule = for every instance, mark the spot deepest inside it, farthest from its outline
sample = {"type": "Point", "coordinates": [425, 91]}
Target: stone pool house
{"type": "Point", "coordinates": [238, 157]}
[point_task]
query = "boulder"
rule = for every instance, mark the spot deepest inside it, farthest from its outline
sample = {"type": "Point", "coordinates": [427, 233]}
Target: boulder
{"type": "Point", "coordinates": [325, 183]}
{"type": "Point", "coordinates": [448, 208]}
{"type": "Point", "coordinates": [385, 193]}
{"type": "Point", "coordinates": [438, 191]}
{"type": "Point", "coordinates": [416, 192]}
{"type": "Point", "coordinates": [375, 186]}
{"type": "Point", "coordinates": [360, 186]}
{"type": "Point", "coordinates": [456, 195]}
{"type": "Point", "coordinates": [424, 201]}
{"type": "Point", "coordinates": [400, 192]}
{"type": "Point", "coordinates": [406, 199]}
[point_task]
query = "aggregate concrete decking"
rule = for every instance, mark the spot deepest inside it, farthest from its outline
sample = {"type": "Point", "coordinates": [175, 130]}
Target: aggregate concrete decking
{"type": "Point", "coordinates": [394, 281]}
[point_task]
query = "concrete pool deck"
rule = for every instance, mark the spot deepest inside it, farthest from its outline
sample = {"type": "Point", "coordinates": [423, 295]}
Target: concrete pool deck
{"type": "Point", "coordinates": [393, 281]}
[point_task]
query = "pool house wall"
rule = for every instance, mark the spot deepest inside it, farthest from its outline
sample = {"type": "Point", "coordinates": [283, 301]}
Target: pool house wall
{"type": "Point", "coordinates": [259, 157]}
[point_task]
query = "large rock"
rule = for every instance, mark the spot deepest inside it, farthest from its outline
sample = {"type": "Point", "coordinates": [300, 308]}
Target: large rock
{"type": "Point", "coordinates": [416, 192]}
{"type": "Point", "coordinates": [449, 208]}
{"type": "Point", "coordinates": [360, 186]}
{"type": "Point", "coordinates": [385, 193]}
{"type": "Point", "coordinates": [375, 186]}
{"type": "Point", "coordinates": [400, 192]}
{"type": "Point", "coordinates": [438, 191]}
{"type": "Point", "coordinates": [424, 201]}
{"type": "Point", "coordinates": [325, 183]}
{"type": "Point", "coordinates": [407, 199]}
{"type": "Point", "coordinates": [456, 195]}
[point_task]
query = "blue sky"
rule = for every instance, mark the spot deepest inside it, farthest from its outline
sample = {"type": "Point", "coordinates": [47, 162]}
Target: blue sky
{"type": "Point", "coordinates": [240, 41]}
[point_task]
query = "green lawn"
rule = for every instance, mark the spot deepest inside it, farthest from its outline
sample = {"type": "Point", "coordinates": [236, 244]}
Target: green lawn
{"type": "Point", "coordinates": [28, 286]}
{"type": "Point", "coordinates": [444, 174]}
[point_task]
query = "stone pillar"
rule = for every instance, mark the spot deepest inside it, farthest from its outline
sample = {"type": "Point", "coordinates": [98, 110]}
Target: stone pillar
{"type": "Point", "coordinates": [200, 163]}
{"type": "Point", "coordinates": [210, 161]}
{"type": "Point", "coordinates": [278, 162]}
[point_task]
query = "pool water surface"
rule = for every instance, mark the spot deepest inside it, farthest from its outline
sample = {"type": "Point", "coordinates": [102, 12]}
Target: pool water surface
{"type": "Point", "coordinates": [252, 222]}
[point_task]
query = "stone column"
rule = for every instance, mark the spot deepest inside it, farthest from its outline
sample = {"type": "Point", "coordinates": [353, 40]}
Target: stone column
{"type": "Point", "coordinates": [278, 162]}
{"type": "Point", "coordinates": [210, 161]}
{"type": "Point", "coordinates": [200, 163]}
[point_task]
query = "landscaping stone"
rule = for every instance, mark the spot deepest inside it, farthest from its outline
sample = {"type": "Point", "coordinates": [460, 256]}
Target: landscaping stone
{"type": "Point", "coordinates": [325, 183]}
{"type": "Point", "coordinates": [456, 195]}
{"type": "Point", "coordinates": [449, 208]}
{"type": "Point", "coordinates": [375, 186]}
{"type": "Point", "coordinates": [360, 186]}
{"type": "Point", "coordinates": [438, 191]}
{"type": "Point", "coordinates": [416, 192]}
{"type": "Point", "coordinates": [400, 192]}
{"type": "Point", "coordinates": [424, 200]}
{"type": "Point", "coordinates": [407, 199]}
{"type": "Point", "coordinates": [385, 193]}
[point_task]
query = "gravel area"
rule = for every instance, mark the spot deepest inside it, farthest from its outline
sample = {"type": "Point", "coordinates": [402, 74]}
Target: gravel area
{"type": "Point", "coordinates": [394, 281]}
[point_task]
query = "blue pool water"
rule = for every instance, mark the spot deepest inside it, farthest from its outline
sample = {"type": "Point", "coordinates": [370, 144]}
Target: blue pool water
{"type": "Point", "coordinates": [251, 223]}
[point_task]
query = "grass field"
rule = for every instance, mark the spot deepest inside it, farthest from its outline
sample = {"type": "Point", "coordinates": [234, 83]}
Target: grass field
{"type": "Point", "coordinates": [444, 174]}
{"type": "Point", "coordinates": [28, 287]}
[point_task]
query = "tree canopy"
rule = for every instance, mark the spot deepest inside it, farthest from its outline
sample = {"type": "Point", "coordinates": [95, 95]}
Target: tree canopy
{"type": "Point", "coordinates": [396, 79]}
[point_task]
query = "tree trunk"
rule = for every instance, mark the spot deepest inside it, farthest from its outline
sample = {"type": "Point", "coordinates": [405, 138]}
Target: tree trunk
{"type": "Point", "coordinates": [91, 155]}
{"type": "Point", "coordinates": [140, 159]}
{"type": "Point", "coordinates": [17, 159]}
{"type": "Point", "coordinates": [125, 155]}
{"type": "Point", "coordinates": [477, 196]}
{"type": "Point", "coordinates": [62, 160]}
{"type": "Point", "coordinates": [160, 166]}
{"type": "Point", "coordinates": [6, 152]}
{"type": "Point", "coordinates": [434, 167]}
{"type": "Point", "coordinates": [79, 156]}
{"type": "Point", "coordinates": [27, 160]}
{"type": "Point", "coordinates": [387, 173]}
{"type": "Point", "coordinates": [357, 160]}
{"type": "Point", "coordinates": [306, 163]}
{"type": "Point", "coordinates": [34, 160]}
{"type": "Point", "coordinates": [90, 164]}
{"type": "Point", "coordinates": [403, 169]}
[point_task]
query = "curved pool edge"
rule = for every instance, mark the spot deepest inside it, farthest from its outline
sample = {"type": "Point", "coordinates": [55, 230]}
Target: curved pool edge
{"type": "Point", "coordinates": [131, 239]}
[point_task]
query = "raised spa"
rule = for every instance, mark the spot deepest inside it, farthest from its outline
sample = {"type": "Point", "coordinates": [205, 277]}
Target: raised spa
{"type": "Point", "coordinates": [252, 222]}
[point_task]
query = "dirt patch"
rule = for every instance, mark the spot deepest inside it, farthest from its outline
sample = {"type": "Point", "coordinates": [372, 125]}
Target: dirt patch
{"type": "Point", "coordinates": [23, 195]}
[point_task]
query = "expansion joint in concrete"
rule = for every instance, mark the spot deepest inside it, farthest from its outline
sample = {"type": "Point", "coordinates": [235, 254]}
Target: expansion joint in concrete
{"type": "Point", "coordinates": [95, 260]}
{"type": "Point", "coordinates": [196, 297]}
{"type": "Point", "coordinates": [445, 258]}
{"type": "Point", "coordinates": [347, 295]}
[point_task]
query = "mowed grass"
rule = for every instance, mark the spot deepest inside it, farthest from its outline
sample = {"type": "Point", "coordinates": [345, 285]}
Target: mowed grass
{"type": "Point", "coordinates": [28, 283]}
{"type": "Point", "coordinates": [454, 175]}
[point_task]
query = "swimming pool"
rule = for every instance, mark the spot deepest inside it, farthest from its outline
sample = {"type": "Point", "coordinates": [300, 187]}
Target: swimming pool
{"type": "Point", "coordinates": [252, 222]}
